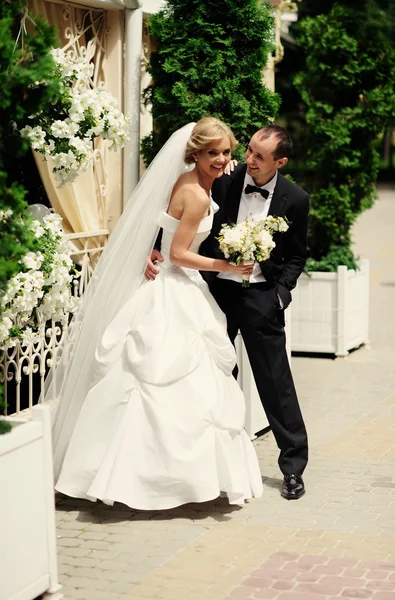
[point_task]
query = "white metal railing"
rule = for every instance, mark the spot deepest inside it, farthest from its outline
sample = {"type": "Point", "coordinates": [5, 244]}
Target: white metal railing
{"type": "Point", "coordinates": [23, 368]}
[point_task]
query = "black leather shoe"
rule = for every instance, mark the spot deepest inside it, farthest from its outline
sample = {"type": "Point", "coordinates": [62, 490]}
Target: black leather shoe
{"type": "Point", "coordinates": [293, 487]}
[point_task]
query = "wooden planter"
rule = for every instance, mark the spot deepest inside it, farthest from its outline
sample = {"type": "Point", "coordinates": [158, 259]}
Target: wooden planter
{"type": "Point", "coordinates": [330, 311]}
{"type": "Point", "coordinates": [27, 525]}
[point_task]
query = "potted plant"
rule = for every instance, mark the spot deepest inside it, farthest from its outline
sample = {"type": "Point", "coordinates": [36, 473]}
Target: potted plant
{"type": "Point", "coordinates": [349, 102]}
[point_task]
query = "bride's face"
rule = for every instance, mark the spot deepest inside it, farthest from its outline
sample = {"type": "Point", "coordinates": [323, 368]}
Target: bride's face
{"type": "Point", "coordinates": [213, 159]}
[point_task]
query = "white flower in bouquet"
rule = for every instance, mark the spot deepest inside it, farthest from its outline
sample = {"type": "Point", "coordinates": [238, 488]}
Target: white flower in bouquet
{"type": "Point", "coordinates": [264, 244]}
{"type": "Point", "coordinates": [232, 239]}
{"type": "Point", "coordinates": [279, 224]}
{"type": "Point", "coordinates": [42, 290]}
{"type": "Point", "coordinates": [250, 242]}
{"type": "Point", "coordinates": [237, 244]}
{"type": "Point", "coordinates": [81, 115]}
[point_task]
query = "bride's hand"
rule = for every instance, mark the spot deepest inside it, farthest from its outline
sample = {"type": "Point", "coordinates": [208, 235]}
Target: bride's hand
{"type": "Point", "coordinates": [240, 269]}
{"type": "Point", "coordinates": [151, 270]}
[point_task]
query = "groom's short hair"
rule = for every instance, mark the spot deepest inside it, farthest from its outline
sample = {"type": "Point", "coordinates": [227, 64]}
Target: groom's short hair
{"type": "Point", "coordinates": [284, 146]}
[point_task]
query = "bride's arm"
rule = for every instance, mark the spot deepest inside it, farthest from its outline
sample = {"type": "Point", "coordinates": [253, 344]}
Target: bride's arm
{"type": "Point", "coordinates": [180, 255]}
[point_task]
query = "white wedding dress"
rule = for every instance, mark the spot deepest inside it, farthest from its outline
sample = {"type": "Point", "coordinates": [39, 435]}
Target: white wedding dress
{"type": "Point", "coordinates": [163, 423]}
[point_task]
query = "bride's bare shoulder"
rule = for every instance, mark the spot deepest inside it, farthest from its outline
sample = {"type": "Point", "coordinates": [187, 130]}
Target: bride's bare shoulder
{"type": "Point", "coordinates": [187, 188]}
{"type": "Point", "coordinates": [187, 194]}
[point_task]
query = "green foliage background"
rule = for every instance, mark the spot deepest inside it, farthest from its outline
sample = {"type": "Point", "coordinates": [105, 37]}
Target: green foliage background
{"type": "Point", "coordinates": [21, 65]}
{"type": "Point", "coordinates": [209, 61]}
{"type": "Point", "coordinates": [346, 90]}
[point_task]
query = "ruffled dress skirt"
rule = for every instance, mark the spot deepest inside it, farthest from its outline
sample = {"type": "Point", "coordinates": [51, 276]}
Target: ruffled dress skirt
{"type": "Point", "coordinates": [163, 423]}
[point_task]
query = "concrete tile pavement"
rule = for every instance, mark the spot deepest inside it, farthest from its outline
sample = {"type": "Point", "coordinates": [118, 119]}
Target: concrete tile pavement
{"type": "Point", "coordinates": [338, 541]}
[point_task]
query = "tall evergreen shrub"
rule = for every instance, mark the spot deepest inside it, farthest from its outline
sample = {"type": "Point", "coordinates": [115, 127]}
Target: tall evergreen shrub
{"type": "Point", "coordinates": [348, 89]}
{"type": "Point", "coordinates": [209, 61]}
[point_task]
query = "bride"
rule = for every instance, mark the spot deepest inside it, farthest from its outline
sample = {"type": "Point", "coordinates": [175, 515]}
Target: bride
{"type": "Point", "coordinates": [148, 412]}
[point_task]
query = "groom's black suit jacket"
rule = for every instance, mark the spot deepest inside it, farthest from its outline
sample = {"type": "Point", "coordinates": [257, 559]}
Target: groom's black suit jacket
{"type": "Point", "coordinates": [288, 258]}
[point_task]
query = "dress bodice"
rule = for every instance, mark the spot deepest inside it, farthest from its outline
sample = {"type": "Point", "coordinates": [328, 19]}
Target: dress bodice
{"type": "Point", "coordinates": [169, 225]}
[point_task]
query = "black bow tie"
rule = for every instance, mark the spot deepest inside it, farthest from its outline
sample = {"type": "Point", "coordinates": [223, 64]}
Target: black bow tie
{"type": "Point", "coordinates": [250, 189]}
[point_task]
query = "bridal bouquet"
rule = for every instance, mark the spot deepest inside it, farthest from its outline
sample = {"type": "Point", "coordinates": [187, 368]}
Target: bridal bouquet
{"type": "Point", "coordinates": [250, 242]}
{"type": "Point", "coordinates": [42, 288]}
{"type": "Point", "coordinates": [66, 130]}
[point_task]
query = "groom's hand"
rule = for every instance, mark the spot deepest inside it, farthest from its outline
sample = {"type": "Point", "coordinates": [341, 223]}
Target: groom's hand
{"type": "Point", "coordinates": [151, 270]}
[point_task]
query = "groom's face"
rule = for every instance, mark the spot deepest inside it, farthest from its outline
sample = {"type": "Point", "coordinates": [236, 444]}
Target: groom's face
{"type": "Point", "coordinates": [261, 164]}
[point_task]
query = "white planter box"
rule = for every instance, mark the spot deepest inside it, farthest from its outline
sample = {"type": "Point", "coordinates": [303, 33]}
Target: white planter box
{"type": "Point", "coordinates": [330, 311]}
{"type": "Point", "coordinates": [28, 564]}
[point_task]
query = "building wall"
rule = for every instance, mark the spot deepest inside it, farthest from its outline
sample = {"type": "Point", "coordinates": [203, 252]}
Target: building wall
{"type": "Point", "coordinates": [152, 6]}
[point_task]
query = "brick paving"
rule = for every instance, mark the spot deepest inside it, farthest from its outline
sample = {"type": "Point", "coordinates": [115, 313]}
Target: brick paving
{"type": "Point", "coordinates": [287, 576]}
{"type": "Point", "coordinates": [338, 541]}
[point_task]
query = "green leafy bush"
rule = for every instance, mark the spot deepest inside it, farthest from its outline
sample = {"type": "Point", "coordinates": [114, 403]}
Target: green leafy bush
{"type": "Point", "coordinates": [209, 61]}
{"type": "Point", "coordinates": [348, 89]}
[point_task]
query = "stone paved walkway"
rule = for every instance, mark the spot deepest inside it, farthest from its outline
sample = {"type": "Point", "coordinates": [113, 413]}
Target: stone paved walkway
{"type": "Point", "coordinates": [338, 541]}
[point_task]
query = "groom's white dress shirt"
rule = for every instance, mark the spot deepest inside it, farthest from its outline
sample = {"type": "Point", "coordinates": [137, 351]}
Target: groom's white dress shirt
{"type": "Point", "coordinates": [253, 207]}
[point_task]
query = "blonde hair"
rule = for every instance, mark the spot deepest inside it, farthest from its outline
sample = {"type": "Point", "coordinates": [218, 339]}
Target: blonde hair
{"type": "Point", "coordinates": [204, 133]}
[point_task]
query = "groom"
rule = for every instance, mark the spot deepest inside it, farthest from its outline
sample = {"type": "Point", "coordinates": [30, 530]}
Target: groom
{"type": "Point", "coordinates": [253, 191]}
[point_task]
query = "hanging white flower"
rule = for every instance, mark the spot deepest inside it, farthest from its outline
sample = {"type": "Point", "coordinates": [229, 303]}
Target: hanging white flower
{"type": "Point", "coordinates": [33, 296]}
{"type": "Point", "coordinates": [37, 228]}
{"type": "Point", "coordinates": [29, 336]}
{"type": "Point", "coordinates": [60, 129]}
{"type": "Point", "coordinates": [5, 326]}
{"type": "Point", "coordinates": [35, 135]}
{"type": "Point", "coordinates": [5, 214]}
{"type": "Point", "coordinates": [53, 223]}
{"type": "Point", "coordinates": [82, 114]}
{"type": "Point", "coordinates": [33, 260]}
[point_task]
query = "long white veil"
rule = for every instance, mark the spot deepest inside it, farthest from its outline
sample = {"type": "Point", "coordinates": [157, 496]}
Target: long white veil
{"type": "Point", "coordinates": [118, 274]}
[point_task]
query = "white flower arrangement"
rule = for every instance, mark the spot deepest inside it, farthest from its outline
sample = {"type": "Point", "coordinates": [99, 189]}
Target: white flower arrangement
{"type": "Point", "coordinates": [5, 215]}
{"type": "Point", "coordinates": [66, 130]}
{"type": "Point", "coordinates": [41, 290]}
{"type": "Point", "coordinates": [250, 242]}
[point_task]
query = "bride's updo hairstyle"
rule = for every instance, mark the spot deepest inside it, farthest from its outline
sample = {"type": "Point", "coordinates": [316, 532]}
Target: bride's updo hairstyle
{"type": "Point", "coordinates": [205, 132]}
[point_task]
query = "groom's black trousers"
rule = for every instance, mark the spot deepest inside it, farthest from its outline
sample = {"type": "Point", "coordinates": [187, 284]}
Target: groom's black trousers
{"type": "Point", "coordinates": [256, 313]}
